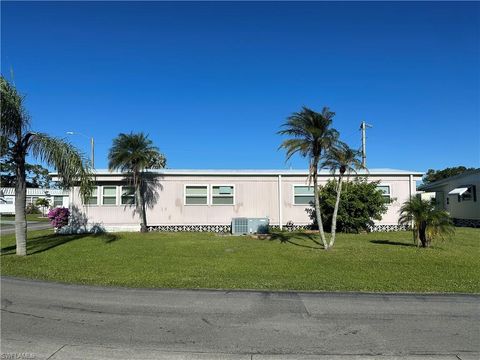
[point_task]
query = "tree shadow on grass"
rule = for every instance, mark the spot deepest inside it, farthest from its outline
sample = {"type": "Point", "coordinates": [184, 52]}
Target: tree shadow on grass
{"type": "Point", "coordinates": [388, 242]}
{"type": "Point", "coordinates": [46, 242]}
{"type": "Point", "coordinates": [298, 239]}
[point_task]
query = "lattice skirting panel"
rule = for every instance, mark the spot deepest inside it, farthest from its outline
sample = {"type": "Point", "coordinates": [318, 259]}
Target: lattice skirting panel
{"type": "Point", "coordinates": [291, 227]}
{"type": "Point", "coordinates": [227, 228]}
{"type": "Point", "coordinates": [216, 228]}
{"type": "Point", "coordinates": [466, 222]}
{"type": "Point", "coordinates": [191, 228]}
{"type": "Point", "coordinates": [389, 228]}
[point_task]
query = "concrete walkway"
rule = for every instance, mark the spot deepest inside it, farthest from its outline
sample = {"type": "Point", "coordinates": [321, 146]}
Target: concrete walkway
{"type": "Point", "coordinates": [55, 321]}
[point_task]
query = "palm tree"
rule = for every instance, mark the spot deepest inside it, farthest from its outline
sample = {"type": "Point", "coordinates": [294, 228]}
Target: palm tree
{"type": "Point", "coordinates": [133, 153]}
{"type": "Point", "coordinates": [43, 202]}
{"type": "Point", "coordinates": [16, 141]}
{"type": "Point", "coordinates": [345, 160]}
{"type": "Point", "coordinates": [428, 222]}
{"type": "Point", "coordinates": [312, 137]}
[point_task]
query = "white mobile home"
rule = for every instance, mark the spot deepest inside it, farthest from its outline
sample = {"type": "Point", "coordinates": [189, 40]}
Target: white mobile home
{"type": "Point", "coordinates": [207, 200]}
{"type": "Point", "coordinates": [56, 197]}
{"type": "Point", "coordinates": [458, 195]}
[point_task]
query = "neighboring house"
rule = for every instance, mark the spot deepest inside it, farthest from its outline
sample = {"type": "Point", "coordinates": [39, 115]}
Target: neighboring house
{"type": "Point", "coordinates": [207, 200]}
{"type": "Point", "coordinates": [428, 196]}
{"type": "Point", "coordinates": [458, 195]}
{"type": "Point", "coordinates": [57, 197]}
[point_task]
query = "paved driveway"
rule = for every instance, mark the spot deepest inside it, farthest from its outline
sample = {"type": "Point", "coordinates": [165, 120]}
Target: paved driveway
{"type": "Point", "coordinates": [58, 321]}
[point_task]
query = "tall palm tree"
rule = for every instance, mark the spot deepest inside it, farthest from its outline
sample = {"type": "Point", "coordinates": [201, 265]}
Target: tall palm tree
{"type": "Point", "coordinates": [17, 140]}
{"type": "Point", "coordinates": [345, 160]}
{"type": "Point", "coordinates": [428, 222]}
{"type": "Point", "coordinates": [133, 153]}
{"type": "Point", "coordinates": [313, 136]}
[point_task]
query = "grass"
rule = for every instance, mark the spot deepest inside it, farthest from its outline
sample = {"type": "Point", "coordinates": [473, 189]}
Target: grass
{"type": "Point", "coordinates": [376, 262]}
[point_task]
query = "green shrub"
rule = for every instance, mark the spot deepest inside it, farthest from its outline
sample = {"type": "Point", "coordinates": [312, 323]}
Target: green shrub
{"type": "Point", "coordinates": [360, 203]}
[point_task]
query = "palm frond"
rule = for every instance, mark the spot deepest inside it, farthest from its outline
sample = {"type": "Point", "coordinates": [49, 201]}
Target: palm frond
{"type": "Point", "coordinates": [157, 161]}
{"type": "Point", "coordinates": [134, 153]}
{"type": "Point", "coordinates": [310, 131]}
{"type": "Point", "coordinates": [6, 145]}
{"type": "Point", "coordinates": [440, 226]}
{"type": "Point", "coordinates": [418, 211]}
{"type": "Point", "coordinates": [293, 146]}
{"type": "Point", "coordinates": [343, 159]}
{"type": "Point", "coordinates": [15, 118]}
{"type": "Point", "coordinates": [71, 164]}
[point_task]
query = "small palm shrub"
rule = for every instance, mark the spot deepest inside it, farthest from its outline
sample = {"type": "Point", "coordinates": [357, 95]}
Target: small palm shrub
{"type": "Point", "coordinates": [44, 203]}
{"type": "Point", "coordinates": [428, 223]}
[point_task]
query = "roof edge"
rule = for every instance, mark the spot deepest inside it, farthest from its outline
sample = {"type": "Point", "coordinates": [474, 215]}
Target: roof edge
{"type": "Point", "coordinates": [258, 172]}
{"type": "Point", "coordinates": [435, 184]}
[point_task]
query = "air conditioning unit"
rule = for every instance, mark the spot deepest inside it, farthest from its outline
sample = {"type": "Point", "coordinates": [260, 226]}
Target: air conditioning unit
{"type": "Point", "coordinates": [242, 226]}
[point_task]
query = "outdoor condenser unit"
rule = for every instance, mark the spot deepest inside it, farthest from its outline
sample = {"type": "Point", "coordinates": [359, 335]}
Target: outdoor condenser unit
{"type": "Point", "coordinates": [241, 226]}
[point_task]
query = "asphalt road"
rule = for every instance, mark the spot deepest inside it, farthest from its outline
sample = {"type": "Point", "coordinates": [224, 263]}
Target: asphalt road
{"type": "Point", "coordinates": [8, 227]}
{"type": "Point", "coordinates": [47, 320]}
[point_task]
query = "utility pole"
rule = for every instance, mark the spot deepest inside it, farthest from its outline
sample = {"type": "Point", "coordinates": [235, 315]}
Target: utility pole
{"type": "Point", "coordinates": [92, 145]}
{"type": "Point", "coordinates": [363, 128]}
{"type": "Point", "coordinates": [92, 152]}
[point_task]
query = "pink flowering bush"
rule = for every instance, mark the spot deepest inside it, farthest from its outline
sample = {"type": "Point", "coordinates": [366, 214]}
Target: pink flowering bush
{"type": "Point", "coordinates": [58, 217]}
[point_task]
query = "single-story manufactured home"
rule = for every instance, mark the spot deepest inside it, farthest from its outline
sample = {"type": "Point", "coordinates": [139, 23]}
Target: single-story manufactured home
{"type": "Point", "coordinates": [458, 195]}
{"type": "Point", "coordinates": [56, 197]}
{"type": "Point", "coordinates": [208, 200]}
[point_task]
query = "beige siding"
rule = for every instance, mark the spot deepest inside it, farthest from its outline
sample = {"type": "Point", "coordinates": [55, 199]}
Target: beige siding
{"type": "Point", "coordinates": [105, 214]}
{"type": "Point", "coordinates": [399, 188]}
{"type": "Point", "coordinates": [255, 196]}
{"type": "Point", "coordinates": [464, 209]}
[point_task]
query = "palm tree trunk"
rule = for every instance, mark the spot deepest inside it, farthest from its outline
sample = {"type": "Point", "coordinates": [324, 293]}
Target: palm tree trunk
{"type": "Point", "coordinates": [143, 225]}
{"type": "Point", "coordinates": [318, 211]}
{"type": "Point", "coordinates": [141, 203]}
{"type": "Point", "coordinates": [20, 203]}
{"type": "Point", "coordinates": [335, 211]}
{"type": "Point", "coordinates": [422, 234]}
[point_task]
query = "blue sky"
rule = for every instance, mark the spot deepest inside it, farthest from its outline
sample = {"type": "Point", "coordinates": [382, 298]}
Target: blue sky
{"type": "Point", "coordinates": [211, 83]}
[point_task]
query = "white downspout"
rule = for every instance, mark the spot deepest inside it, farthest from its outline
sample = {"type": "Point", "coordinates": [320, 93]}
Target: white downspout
{"type": "Point", "coordinates": [410, 187]}
{"type": "Point", "coordinates": [280, 215]}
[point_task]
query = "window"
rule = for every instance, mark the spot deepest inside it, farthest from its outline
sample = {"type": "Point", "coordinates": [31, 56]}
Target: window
{"type": "Point", "coordinates": [465, 193]}
{"type": "Point", "coordinates": [128, 195]}
{"type": "Point", "coordinates": [222, 195]}
{"type": "Point", "coordinates": [303, 195]}
{"type": "Point", "coordinates": [385, 189]}
{"type": "Point", "coordinates": [8, 200]}
{"type": "Point", "coordinates": [196, 195]}
{"type": "Point", "coordinates": [32, 199]}
{"type": "Point", "coordinates": [109, 195]}
{"type": "Point", "coordinates": [93, 199]}
{"type": "Point", "coordinates": [57, 201]}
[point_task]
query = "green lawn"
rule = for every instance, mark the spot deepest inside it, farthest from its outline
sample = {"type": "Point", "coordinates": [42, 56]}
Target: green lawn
{"type": "Point", "coordinates": [365, 262]}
